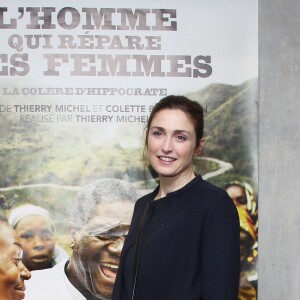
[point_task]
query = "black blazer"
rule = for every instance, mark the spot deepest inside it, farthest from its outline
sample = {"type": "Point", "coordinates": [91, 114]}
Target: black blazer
{"type": "Point", "coordinates": [194, 253]}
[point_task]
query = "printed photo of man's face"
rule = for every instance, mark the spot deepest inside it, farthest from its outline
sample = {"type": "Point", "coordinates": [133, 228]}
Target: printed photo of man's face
{"type": "Point", "coordinates": [98, 245]}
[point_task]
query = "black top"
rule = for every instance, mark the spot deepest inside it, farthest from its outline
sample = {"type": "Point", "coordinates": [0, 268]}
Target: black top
{"type": "Point", "coordinates": [153, 219]}
{"type": "Point", "coordinates": [190, 252]}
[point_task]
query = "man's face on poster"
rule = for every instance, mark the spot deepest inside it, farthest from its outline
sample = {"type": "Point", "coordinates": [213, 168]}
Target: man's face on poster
{"type": "Point", "coordinates": [98, 244]}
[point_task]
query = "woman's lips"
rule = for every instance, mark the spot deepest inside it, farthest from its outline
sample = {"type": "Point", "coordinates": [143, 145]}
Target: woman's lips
{"type": "Point", "coordinates": [20, 292]}
{"type": "Point", "coordinates": [39, 258]}
{"type": "Point", "coordinates": [20, 288]}
{"type": "Point", "coordinates": [166, 158]}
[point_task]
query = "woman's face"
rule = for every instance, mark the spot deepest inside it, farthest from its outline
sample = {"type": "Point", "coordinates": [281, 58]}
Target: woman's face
{"type": "Point", "coordinates": [12, 271]}
{"type": "Point", "coordinates": [172, 143]}
{"type": "Point", "coordinates": [238, 195]}
{"type": "Point", "coordinates": [37, 237]}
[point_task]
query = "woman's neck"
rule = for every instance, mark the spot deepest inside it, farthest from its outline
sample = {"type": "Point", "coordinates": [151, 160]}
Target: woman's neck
{"type": "Point", "coordinates": [172, 184]}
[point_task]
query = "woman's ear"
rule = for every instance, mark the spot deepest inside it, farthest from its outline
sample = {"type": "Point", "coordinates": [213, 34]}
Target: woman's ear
{"type": "Point", "coordinates": [199, 147]}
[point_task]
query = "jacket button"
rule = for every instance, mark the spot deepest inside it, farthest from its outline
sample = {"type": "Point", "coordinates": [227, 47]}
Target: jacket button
{"type": "Point", "coordinates": [144, 276]}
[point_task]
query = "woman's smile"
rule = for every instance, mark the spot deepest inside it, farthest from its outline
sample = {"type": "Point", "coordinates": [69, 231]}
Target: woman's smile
{"type": "Point", "coordinates": [166, 158]}
{"type": "Point", "coordinates": [171, 143]}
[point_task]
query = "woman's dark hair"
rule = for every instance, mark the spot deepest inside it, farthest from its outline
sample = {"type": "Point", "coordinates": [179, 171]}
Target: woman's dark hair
{"type": "Point", "coordinates": [191, 108]}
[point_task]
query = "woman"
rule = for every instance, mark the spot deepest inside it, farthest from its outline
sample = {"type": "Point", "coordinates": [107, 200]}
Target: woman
{"type": "Point", "coordinates": [242, 195]}
{"type": "Point", "coordinates": [183, 242]}
{"type": "Point", "coordinates": [12, 271]}
{"type": "Point", "coordinates": [36, 231]}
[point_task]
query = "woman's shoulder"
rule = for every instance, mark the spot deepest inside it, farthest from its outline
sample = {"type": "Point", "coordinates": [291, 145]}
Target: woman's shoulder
{"type": "Point", "coordinates": [144, 199]}
{"type": "Point", "coordinates": [215, 198]}
{"type": "Point", "coordinates": [203, 187]}
{"type": "Point", "coordinates": [205, 194]}
{"type": "Point", "coordinates": [147, 196]}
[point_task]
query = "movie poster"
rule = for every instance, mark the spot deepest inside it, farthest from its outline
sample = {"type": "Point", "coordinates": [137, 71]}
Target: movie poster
{"type": "Point", "coordinates": [78, 81]}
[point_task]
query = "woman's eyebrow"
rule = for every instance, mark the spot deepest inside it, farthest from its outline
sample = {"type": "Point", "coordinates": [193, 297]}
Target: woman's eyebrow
{"type": "Point", "coordinates": [176, 131]}
{"type": "Point", "coordinates": [182, 131]}
{"type": "Point", "coordinates": [157, 127]}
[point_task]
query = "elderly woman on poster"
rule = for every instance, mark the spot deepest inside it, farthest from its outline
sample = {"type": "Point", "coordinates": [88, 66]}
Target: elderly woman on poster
{"type": "Point", "coordinates": [13, 273]}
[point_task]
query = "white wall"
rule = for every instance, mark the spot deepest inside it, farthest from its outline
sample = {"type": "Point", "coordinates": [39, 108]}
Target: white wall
{"type": "Point", "coordinates": [279, 150]}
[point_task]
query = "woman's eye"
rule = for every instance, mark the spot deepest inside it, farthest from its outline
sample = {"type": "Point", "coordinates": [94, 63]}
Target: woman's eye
{"type": "Point", "coordinates": [157, 133]}
{"type": "Point", "coordinates": [46, 235]}
{"type": "Point", "coordinates": [181, 138]}
{"type": "Point", "coordinates": [27, 235]}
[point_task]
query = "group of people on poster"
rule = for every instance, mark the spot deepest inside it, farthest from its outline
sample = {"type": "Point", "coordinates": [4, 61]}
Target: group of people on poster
{"type": "Point", "coordinates": [188, 239]}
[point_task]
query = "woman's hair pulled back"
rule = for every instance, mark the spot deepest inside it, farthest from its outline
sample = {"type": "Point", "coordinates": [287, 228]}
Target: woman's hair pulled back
{"type": "Point", "coordinates": [192, 108]}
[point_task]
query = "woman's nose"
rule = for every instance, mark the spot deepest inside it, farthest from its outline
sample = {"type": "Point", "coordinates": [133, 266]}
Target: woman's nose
{"type": "Point", "coordinates": [167, 145]}
{"type": "Point", "coordinates": [38, 242]}
{"type": "Point", "coordinates": [24, 273]}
